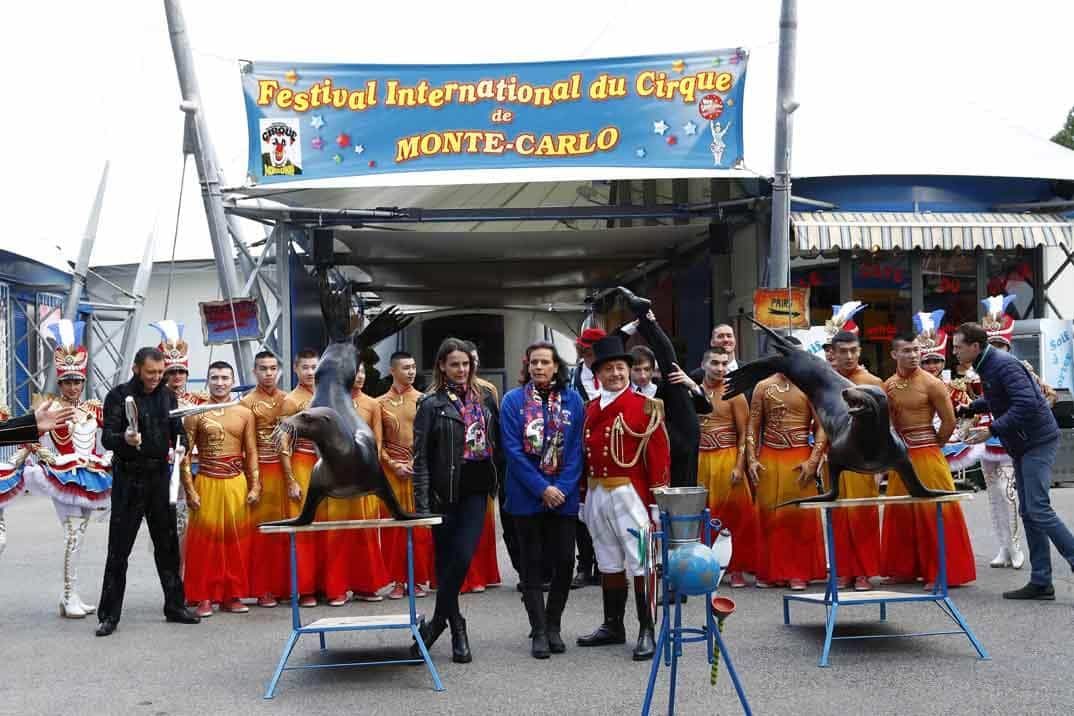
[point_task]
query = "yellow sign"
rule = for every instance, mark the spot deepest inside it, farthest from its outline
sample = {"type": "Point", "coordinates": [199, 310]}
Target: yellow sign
{"type": "Point", "coordinates": [782, 307]}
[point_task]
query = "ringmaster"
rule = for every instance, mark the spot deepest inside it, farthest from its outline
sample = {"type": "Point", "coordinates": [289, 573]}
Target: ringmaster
{"type": "Point", "coordinates": [1023, 422]}
{"type": "Point", "coordinates": [140, 487]}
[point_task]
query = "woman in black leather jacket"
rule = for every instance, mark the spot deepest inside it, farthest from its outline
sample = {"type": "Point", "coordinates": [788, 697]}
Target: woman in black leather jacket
{"type": "Point", "coordinates": [456, 448]}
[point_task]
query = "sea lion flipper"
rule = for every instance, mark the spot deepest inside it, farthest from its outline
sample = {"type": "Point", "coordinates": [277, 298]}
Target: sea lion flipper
{"type": "Point", "coordinates": [745, 377]}
{"type": "Point", "coordinates": [387, 494]}
{"type": "Point", "coordinates": [913, 483]}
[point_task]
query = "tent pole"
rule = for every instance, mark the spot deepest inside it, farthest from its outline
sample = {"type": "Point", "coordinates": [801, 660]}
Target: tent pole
{"type": "Point", "coordinates": [208, 167]}
{"type": "Point", "coordinates": [134, 320]}
{"type": "Point", "coordinates": [780, 244]}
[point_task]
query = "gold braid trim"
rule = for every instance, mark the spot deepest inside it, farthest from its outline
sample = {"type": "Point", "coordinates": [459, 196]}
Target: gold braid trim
{"type": "Point", "coordinates": [619, 427]}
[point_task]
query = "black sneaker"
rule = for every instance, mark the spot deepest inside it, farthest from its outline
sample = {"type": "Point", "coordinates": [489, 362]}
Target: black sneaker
{"type": "Point", "coordinates": [1044, 592]}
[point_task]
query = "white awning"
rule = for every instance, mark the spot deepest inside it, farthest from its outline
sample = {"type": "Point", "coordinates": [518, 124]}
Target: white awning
{"type": "Point", "coordinates": [823, 231]}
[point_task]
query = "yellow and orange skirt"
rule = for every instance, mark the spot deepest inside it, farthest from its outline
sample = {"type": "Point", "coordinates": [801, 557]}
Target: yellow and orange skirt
{"type": "Point", "coordinates": [218, 540]}
{"type": "Point", "coordinates": [732, 504]}
{"type": "Point", "coordinates": [792, 542]}
{"type": "Point", "coordinates": [393, 540]}
{"type": "Point", "coordinates": [269, 560]}
{"type": "Point", "coordinates": [857, 529]}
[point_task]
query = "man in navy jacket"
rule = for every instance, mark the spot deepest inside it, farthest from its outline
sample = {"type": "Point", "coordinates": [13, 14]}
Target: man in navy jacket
{"type": "Point", "coordinates": [1024, 423]}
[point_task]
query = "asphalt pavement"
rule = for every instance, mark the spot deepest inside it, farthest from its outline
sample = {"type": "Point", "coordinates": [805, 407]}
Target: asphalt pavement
{"type": "Point", "coordinates": [51, 665]}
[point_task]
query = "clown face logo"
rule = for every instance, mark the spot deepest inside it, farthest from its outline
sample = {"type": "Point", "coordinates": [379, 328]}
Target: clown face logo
{"type": "Point", "coordinates": [281, 148]}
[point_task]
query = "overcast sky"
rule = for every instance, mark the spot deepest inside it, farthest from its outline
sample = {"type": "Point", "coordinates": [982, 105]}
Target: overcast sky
{"type": "Point", "coordinates": [89, 82]}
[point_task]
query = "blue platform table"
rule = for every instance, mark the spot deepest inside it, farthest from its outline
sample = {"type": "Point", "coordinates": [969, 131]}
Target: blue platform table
{"type": "Point", "coordinates": [410, 621]}
{"type": "Point", "coordinates": [832, 599]}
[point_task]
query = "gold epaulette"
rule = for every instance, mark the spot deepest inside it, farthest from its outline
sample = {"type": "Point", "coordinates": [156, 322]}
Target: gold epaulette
{"type": "Point", "coordinates": [37, 399]}
{"type": "Point", "coordinates": [654, 406]}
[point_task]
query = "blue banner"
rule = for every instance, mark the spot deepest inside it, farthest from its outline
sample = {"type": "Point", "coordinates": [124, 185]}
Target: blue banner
{"type": "Point", "coordinates": [312, 121]}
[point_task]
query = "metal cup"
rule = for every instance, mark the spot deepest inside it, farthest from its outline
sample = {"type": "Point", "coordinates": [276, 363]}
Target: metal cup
{"type": "Point", "coordinates": [682, 502]}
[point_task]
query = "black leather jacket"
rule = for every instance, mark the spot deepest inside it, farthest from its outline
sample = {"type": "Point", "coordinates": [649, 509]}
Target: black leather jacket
{"type": "Point", "coordinates": [438, 445]}
{"type": "Point", "coordinates": [158, 429]}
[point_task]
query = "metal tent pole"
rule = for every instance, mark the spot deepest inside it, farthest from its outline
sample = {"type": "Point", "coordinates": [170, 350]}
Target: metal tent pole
{"type": "Point", "coordinates": [134, 320]}
{"type": "Point", "coordinates": [199, 144]}
{"type": "Point", "coordinates": [780, 244]}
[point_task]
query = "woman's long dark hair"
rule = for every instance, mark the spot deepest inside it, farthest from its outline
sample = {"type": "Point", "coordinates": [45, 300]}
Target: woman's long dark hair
{"type": "Point", "coordinates": [560, 380]}
{"type": "Point", "coordinates": [447, 347]}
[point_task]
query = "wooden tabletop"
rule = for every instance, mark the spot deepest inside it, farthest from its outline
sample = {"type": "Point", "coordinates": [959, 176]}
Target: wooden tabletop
{"type": "Point", "coordinates": [352, 525]}
{"type": "Point", "coordinates": [900, 500]}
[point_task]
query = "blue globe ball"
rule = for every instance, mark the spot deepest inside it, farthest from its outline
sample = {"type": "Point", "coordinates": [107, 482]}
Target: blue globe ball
{"type": "Point", "coordinates": [693, 569]}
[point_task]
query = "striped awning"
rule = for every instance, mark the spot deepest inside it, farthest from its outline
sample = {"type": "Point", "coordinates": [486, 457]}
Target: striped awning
{"type": "Point", "coordinates": [823, 231]}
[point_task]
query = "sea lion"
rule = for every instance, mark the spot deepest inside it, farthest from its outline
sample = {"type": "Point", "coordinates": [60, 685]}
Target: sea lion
{"type": "Point", "coordinates": [855, 417]}
{"type": "Point", "coordinates": [348, 463]}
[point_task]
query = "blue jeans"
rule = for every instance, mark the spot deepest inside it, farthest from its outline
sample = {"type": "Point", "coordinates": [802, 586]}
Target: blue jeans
{"type": "Point", "coordinates": [1033, 478]}
{"type": "Point", "coordinates": [454, 542]}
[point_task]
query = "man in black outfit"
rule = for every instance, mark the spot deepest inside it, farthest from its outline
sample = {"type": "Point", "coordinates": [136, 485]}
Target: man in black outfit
{"type": "Point", "coordinates": [140, 482]}
{"type": "Point", "coordinates": [683, 400]}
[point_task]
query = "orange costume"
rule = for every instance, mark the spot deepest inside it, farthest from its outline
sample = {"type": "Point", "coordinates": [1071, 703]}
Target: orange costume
{"type": "Point", "coordinates": [792, 543]}
{"type": "Point", "coordinates": [723, 439]}
{"type": "Point", "coordinates": [857, 529]}
{"type": "Point", "coordinates": [351, 559]}
{"type": "Point", "coordinates": [218, 536]}
{"type": "Point", "coordinates": [268, 553]}
{"type": "Point", "coordinates": [397, 418]}
{"type": "Point", "coordinates": [909, 539]}
{"type": "Point", "coordinates": [302, 456]}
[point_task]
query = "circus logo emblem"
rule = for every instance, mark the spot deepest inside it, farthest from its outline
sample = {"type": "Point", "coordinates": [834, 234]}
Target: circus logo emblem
{"type": "Point", "coordinates": [281, 148]}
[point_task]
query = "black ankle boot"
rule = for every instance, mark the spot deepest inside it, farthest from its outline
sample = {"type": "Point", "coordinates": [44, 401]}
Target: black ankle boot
{"type": "Point", "coordinates": [553, 614]}
{"type": "Point", "coordinates": [460, 642]}
{"type": "Point", "coordinates": [534, 601]}
{"type": "Point", "coordinates": [1045, 592]}
{"type": "Point", "coordinates": [612, 630]}
{"type": "Point", "coordinates": [646, 646]}
{"type": "Point", "coordinates": [430, 632]}
{"type": "Point", "coordinates": [638, 306]}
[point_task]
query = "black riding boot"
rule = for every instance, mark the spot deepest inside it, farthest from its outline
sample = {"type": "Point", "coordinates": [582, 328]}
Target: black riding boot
{"type": "Point", "coordinates": [460, 642]}
{"type": "Point", "coordinates": [553, 614]}
{"type": "Point", "coordinates": [612, 630]}
{"type": "Point", "coordinates": [534, 601]}
{"type": "Point", "coordinates": [646, 646]}
{"type": "Point", "coordinates": [430, 632]}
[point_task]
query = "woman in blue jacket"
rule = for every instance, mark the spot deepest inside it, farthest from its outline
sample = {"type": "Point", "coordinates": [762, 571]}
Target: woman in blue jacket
{"type": "Point", "coordinates": [541, 433]}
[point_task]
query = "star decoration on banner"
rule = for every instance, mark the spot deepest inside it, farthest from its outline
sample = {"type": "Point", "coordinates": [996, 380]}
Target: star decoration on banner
{"type": "Point", "coordinates": [316, 121]}
{"type": "Point", "coordinates": [689, 129]}
{"type": "Point", "coordinates": [343, 140]}
{"type": "Point", "coordinates": [660, 127]}
{"type": "Point", "coordinates": [359, 148]}
{"type": "Point", "coordinates": [729, 102]}
{"type": "Point", "coordinates": [291, 76]}
{"type": "Point", "coordinates": [640, 152]}
{"type": "Point", "coordinates": [672, 140]}
{"type": "Point", "coordinates": [337, 158]}
{"type": "Point", "coordinates": [317, 143]}
{"type": "Point", "coordinates": [678, 66]}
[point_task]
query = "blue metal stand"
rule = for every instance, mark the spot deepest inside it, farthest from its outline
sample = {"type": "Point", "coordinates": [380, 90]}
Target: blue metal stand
{"type": "Point", "coordinates": [320, 627]}
{"type": "Point", "coordinates": [832, 599]}
{"type": "Point", "coordinates": [671, 638]}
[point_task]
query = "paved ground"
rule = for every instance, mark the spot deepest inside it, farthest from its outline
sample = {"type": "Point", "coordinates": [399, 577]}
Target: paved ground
{"type": "Point", "coordinates": [56, 666]}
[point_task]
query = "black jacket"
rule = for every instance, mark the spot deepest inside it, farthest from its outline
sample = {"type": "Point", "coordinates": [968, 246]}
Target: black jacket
{"type": "Point", "coordinates": [1021, 418]}
{"type": "Point", "coordinates": [438, 445]}
{"type": "Point", "coordinates": [19, 430]}
{"type": "Point", "coordinates": [157, 428]}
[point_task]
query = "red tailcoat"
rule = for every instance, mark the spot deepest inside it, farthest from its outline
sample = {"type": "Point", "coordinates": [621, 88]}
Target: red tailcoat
{"type": "Point", "coordinates": [604, 446]}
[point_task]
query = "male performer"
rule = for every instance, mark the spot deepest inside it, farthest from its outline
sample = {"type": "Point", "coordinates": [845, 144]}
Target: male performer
{"type": "Point", "coordinates": [140, 487]}
{"type": "Point", "coordinates": [398, 408]}
{"type": "Point", "coordinates": [857, 529]}
{"type": "Point", "coordinates": [218, 537]}
{"type": "Point", "coordinates": [68, 463]}
{"type": "Point", "coordinates": [351, 559]}
{"type": "Point", "coordinates": [721, 466]}
{"type": "Point", "coordinates": [176, 371]}
{"type": "Point", "coordinates": [585, 382]}
{"type": "Point", "coordinates": [298, 461]}
{"type": "Point", "coordinates": [792, 544]}
{"type": "Point", "coordinates": [723, 336]}
{"type": "Point", "coordinates": [841, 320]}
{"type": "Point", "coordinates": [683, 400]}
{"type": "Point", "coordinates": [1023, 421]}
{"type": "Point", "coordinates": [269, 576]}
{"type": "Point", "coordinates": [627, 455]}
{"type": "Point", "coordinates": [908, 535]}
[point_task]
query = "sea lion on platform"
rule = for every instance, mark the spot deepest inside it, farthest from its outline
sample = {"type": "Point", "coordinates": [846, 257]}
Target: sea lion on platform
{"type": "Point", "coordinates": [855, 417]}
{"type": "Point", "coordinates": [348, 464]}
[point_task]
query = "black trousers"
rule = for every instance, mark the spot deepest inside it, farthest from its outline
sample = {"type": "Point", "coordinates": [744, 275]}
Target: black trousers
{"type": "Point", "coordinates": [454, 543]}
{"type": "Point", "coordinates": [544, 539]}
{"type": "Point", "coordinates": [680, 413]}
{"type": "Point", "coordinates": [140, 489]}
{"type": "Point", "coordinates": [510, 534]}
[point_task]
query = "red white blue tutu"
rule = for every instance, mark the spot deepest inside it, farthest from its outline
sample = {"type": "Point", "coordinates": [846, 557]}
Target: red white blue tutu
{"type": "Point", "coordinates": [12, 483]}
{"type": "Point", "coordinates": [961, 456]}
{"type": "Point", "coordinates": [75, 481]}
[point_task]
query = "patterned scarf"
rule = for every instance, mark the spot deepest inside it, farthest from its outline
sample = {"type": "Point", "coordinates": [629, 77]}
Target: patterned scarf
{"type": "Point", "coordinates": [540, 437]}
{"type": "Point", "coordinates": [475, 446]}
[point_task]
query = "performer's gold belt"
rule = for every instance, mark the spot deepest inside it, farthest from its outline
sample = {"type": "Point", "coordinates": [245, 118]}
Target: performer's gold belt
{"type": "Point", "coordinates": [267, 454]}
{"type": "Point", "coordinates": [307, 446]}
{"type": "Point", "coordinates": [609, 483]}
{"type": "Point", "coordinates": [221, 467]}
{"type": "Point", "coordinates": [718, 438]}
{"type": "Point", "coordinates": [783, 439]}
{"type": "Point", "coordinates": [924, 436]}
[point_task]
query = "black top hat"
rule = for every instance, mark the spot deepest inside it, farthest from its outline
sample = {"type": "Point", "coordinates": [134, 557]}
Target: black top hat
{"type": "Point", "coordinates": [610, 348]}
